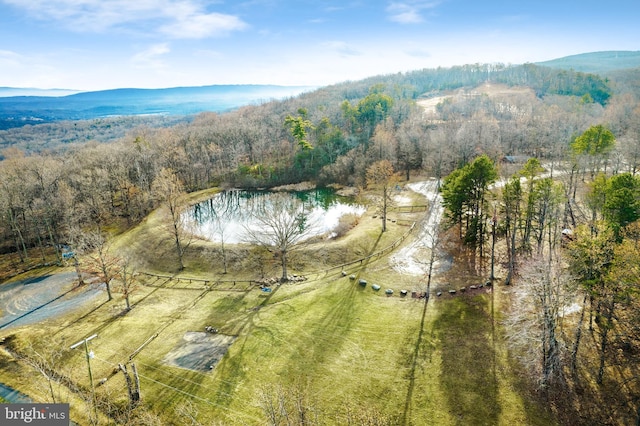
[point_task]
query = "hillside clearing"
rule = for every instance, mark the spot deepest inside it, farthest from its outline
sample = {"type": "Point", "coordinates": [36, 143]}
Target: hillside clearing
{"type": "Point", "coordinates": [339, 351]}
{"type": "Point", "coordinates": [491, 90]}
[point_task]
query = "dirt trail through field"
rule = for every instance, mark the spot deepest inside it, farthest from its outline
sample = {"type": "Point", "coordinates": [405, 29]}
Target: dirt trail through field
{"type": "Point", "coordinates": [413, 258]}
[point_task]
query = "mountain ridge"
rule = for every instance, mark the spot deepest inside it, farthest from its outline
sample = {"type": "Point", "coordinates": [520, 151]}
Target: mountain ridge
{"type": "Point", "coordinates": [16, 111]}
{"type": "Point", "coordinates": [601, 62]}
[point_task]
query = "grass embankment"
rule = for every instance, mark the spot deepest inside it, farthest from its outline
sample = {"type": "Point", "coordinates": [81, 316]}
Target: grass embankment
{"type": "Point", "coordinates": [328, 347]}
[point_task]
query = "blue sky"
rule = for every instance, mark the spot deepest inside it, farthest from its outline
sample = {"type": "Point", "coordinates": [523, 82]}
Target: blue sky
{"type": "Point", "coordinates": [104, 44]}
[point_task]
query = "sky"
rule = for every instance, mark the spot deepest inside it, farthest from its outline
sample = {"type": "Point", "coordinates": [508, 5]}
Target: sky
{"type": "Point", "coordinates": [107, 44]}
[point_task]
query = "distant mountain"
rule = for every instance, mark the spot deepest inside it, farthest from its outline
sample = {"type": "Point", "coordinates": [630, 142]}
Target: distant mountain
{"type": "Point", "coordinates": [16, 111]}
{"type": "Point", "coordinates": [597, 62]}
{"type": "Point", "coordinates": [19, 91]}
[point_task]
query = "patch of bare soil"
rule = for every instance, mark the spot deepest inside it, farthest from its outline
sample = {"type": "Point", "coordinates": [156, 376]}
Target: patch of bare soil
{"type": "Point", "coordinates": [199, 350]}
{"type": "Point", "coordinates": [490, 89]}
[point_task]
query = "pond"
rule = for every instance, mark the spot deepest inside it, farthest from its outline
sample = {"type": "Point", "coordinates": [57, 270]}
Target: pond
{"type": "Point", "coordinates": [226, 216]}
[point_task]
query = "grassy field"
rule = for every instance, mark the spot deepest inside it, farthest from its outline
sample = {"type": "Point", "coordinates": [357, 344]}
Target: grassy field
{"type": "Point", "coordinates": [326, 349]}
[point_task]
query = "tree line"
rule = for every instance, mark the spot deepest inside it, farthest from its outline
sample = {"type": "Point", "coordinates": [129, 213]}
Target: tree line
{"type": "Point", "coordinates": [331, 135]}
{"type": "Point", "coordinates": [570, 233]}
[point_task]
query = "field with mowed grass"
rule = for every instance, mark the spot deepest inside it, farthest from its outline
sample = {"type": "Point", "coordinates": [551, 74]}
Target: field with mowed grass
{"type": "Point", "coordinates": [336, 350]}
{"type": "Point", "coordinates": [326, 350]}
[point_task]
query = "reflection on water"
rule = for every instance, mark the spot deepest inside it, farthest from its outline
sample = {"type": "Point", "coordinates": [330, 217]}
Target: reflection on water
{"type": "Point", "coordinates": [225, 216]}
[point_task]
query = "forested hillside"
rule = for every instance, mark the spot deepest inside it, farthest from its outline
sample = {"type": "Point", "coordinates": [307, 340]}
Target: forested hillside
{"type": "Point", "coordinates": [520, 150]}
{"type": "Point", "coordinates": [345, 128]}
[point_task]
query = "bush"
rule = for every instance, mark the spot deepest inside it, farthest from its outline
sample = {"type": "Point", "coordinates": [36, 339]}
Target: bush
{"type": "Point", "coordinates": [345, 224]}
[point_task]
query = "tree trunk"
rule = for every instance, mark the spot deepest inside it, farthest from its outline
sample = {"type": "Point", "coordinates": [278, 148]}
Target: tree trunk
{"type": "Point", "coordinates": [576, 344]}
{"type": "Point", "coordinates": [224, 257]}
{"type": "Point", "coordinates": [76, 264]}
{"type": "Point", "coordinates": [285, 276]}
{"type": "Point", "coordinates": [176, 234]}
{"type": "Point", "coordinates": [384, 209]}
{"type": "Point", "coordinates": [136, 382]}
{"type": "Point", "coordinates": [107, 278]}
{"type": "Point", "coordinates": [604, 342]}
{"type": "Point", "coordinates": [127, 378]}
{"type": "Point", "coordinates": [133, 386]}
{"type": "Point", "coordinates": [21, 246]}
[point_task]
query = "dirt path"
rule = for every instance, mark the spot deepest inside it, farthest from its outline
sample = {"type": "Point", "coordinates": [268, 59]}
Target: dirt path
{"type": "Point", "coordinates": [429, 105]}
{"type": "Point", "coordinates": [412, 259]}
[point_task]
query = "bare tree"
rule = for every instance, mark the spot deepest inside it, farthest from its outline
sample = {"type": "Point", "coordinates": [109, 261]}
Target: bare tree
{"type": "Point", "coordinates": [128, 281]}
{"type": "Point", "coordinates": [100, 258]}
{"type": "Point", "coordinates": [13, 202]}
{"type": "Point", "coordinates": [288, 405]}
{"type": "Point", "coordinates": [534, 321]}
{"type": "Point", "coordinates": [45, 361]}
{"type": "Point", "coordinates": [218, 214]}
{"type": "Point", "coordinates": [168, 188]}
{"type": "Point", "coordinates": [282, 225]}
{"type": "Point", "coordinates": [619, 289]}
{"type": "Point", "coordinates": [133, 384]}
{"type": "Point", "coordinates": [188, 410]}
{"type": "Point", "coordinates": [381, 174]}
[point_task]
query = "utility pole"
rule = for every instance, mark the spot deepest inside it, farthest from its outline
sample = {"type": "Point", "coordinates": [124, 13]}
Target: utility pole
{"type": "Point", "coordinates": [89, 355]}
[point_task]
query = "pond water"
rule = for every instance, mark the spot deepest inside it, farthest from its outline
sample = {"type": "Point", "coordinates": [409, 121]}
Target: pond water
{"type": "Point", "coordinates": [227, 215]}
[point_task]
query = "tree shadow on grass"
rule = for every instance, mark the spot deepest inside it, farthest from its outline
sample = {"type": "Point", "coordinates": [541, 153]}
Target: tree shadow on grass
{"type": "Point", "coordinates": [339, 318]}
{"type": "Point", "coordinates": [325, 334]}
{"type": "Point", "coordinates": [230, 370]}
{"type": "Point", "coordinates": [421, 350]}
{"type": "Point", "coordinates": [467, 376]}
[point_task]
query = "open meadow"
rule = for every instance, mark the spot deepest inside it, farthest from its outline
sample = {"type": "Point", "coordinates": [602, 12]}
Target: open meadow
{"type": "Point", "coordinates": [326, 350]}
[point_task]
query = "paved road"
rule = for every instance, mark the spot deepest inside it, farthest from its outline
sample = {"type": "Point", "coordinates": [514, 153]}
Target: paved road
{"type": "Point", "coordinates": [37, 299]}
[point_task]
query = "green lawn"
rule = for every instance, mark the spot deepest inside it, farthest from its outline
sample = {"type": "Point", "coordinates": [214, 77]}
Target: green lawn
{"type": "Point", "coordinates": [327, 348]}
{"type": "Point", "coordinates": [347, 352]}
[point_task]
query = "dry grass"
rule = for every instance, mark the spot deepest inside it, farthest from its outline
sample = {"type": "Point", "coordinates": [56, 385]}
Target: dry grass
{"type": "Point", "coordinates": [350, 353]}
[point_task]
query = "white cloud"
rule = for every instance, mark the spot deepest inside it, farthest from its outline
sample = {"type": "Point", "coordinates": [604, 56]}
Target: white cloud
{"type": "Point", "coordinates": [418, 52]}
{"type": "Point", "coordinates": [410, 11]}
{"type": "Point", "coordinates": [19, 70]}
{"type": "Point", "coordinates": [202, 25]}
{"type": "Point", "coordinates": [9, 58]}
{"type": "Point", "coordinates": [344, 49]}
{"type": "Point", "coordinates": [176, 18]}
{"type": "Point", "coordinates": [151, 57]}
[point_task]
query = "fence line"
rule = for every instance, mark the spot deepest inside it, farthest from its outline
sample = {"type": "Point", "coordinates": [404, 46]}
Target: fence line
{"type": "Point", "coordinates": [211, 284]}
{"type": "Point", "coordinates": [251, 283]}
{"type": "Point", "coordinates": [378, 254]}
{"type": "Point", "coordinates": [410, 209]}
